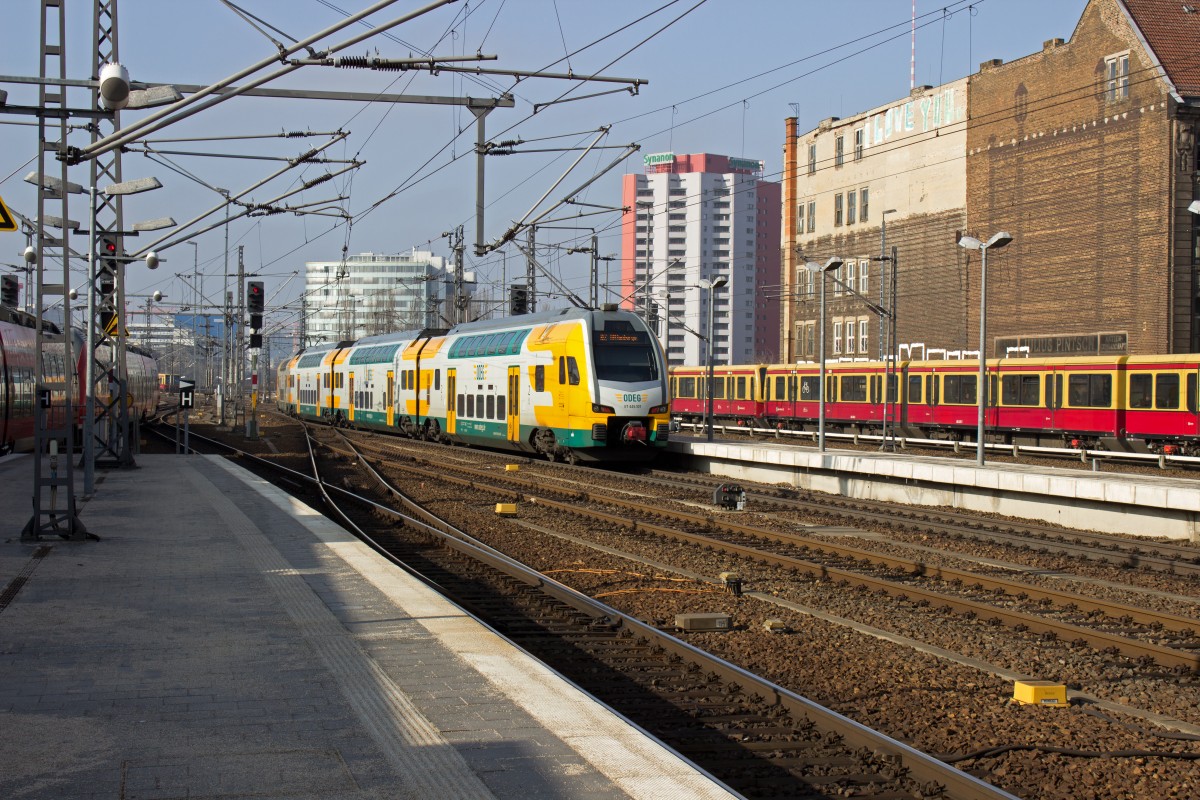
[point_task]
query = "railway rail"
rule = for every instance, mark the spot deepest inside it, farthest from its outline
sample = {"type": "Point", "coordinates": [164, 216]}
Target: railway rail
{"type": "Point", "coordinates": [760, 738]}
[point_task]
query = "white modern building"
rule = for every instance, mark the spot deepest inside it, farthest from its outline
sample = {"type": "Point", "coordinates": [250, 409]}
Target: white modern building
{"type": "Point", "coordinates": [694, 220]}
{"type": "Point", "coordinates": [373, 293]}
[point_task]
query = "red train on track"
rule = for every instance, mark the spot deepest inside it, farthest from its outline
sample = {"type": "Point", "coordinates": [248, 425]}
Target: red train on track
{"type": "Point", "coordinates": [1122, 403]}
{"type": "Point", "coordinates": [17, 354]}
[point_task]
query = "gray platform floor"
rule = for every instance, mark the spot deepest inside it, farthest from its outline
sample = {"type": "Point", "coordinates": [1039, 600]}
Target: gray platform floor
{"type": "Point", "coordinates": [223, 640]}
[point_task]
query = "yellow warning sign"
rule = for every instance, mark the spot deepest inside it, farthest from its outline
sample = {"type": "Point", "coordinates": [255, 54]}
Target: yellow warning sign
{"type": "Point", "coordinates": [7, 222]}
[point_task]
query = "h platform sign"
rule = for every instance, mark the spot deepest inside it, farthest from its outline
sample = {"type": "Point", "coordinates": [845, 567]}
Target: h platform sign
{"type": "Point", "coordinates": [187, 393]}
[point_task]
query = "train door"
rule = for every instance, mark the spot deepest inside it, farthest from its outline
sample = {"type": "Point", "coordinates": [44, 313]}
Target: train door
{"type": "Point", "coordinates": [317, 384]}
{"type": "Point", "coordinates": [451, 402]}
{"type": "Point", "coordinates": [514, 404]}
{"type": "Point", "coordinates": [350, 400]}
{"type": "Point", "coordinates": [389, 399]}
{"type": "Point", "coordinates": [1053, 399]}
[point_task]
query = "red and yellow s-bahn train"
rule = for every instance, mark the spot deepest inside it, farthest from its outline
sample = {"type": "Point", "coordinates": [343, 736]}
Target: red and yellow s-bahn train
{"type": "Point", "coordinates": [1124, 403]}
{"type": "Point", "coordinates": [18, 353]}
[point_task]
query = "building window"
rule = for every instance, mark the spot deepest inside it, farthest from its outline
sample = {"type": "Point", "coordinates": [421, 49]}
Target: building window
{"type": "Point", "coordinates": [837, 337]}
{"type": "Point", "coordinates": [812, 216]}
{"type": "Point", "coordinates": [800, 218]}
{"type": "Point", "coordinates": [837, 209]}
{"type": "Point", "coordinates": [858, 144]}
{"type": "Point", "coordinates": [812, 159]}
{"type": "Point", "coordinates": [839, 151]}
{"type": "Point", "coordinates": [864, 269]}
{"type": "Point", "coordinates": [851, 204]}
{"type": "Point", "coordinates": [849, 336]}
{"type": "Point", "coordinates": [862, 205]}
{"type": "Point", "coordinates": [810, 334]}
{"type": "Point", "coordinates": [862, 335]}
{"type": "Point", "coordinates": [851, 272]}
{"type": "Point", "coordinates": [1116, 70]}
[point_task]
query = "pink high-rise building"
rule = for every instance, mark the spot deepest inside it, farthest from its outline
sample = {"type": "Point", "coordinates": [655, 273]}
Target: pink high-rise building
{"type": "Point", "coordinates": [693, 220]}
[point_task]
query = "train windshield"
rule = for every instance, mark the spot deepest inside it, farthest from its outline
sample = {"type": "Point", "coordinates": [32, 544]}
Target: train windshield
{"type": "Point", "coordinates": [625, 356]}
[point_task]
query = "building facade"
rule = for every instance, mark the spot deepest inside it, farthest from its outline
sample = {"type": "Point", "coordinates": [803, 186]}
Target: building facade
{"type": "Point", "coordinates": [703, 217]}
{"type": "Point", "coordinates": [855, 188]}
{"type": "Point", "coordinates": [371, 293]}
{"type": "Point", "coordinates": [1084, 152]}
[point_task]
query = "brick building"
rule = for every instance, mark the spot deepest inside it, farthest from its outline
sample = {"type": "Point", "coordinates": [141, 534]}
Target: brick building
{"type": "Point", "coordinates": [1085, 152]}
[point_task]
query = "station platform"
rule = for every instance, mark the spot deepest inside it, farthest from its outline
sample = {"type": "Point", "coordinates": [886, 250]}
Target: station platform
{"type": "Point", "coordinates": [225, 640]}
{"type": "Point", "coordinates": [1110, 502]}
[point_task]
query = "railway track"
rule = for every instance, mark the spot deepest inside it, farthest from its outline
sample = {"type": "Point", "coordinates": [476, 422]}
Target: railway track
{"type": "Point", "coordinates": [1139, 634]}
{"type": "Point", "coordinates": [762, 739]}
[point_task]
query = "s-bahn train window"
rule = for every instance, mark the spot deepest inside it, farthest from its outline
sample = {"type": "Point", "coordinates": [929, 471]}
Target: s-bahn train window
{"type": "Point", "coordinates": [1191, 392]}
{"type": "Point", "coordinates": [1141, 391]}
{"type": "Point", "coordinates": [1166, 391]}
{"type": "Point", "coordinates": [624, 355]}
{"type": "Point", "coordinates": [959, 389]}
{"type": "Point", "coordinates": [685, 387]}
{"type": "Point", "coordinates": [914, 389]}
{"type": "Point", "coordinates": [780, 390]}
{"type": "Point", "coordinates": [854, 388]}
{"type": "Point", "coordinates": [810, 388]}
{"type": "Point", "coordinates": [1020, 390]}
{"type": "Point", "coordinates": [539, 378]}
{"type": "Point", "coordinates": [741, 387]}
{"type": "Point", "coordinates": [1089, 391]}
{"type": "Point", "coordinates": [572, 371]}
{"type": "Point", "coordinates": [719, 389]}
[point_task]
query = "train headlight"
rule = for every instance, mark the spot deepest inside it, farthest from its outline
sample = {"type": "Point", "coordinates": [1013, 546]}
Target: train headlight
{"type": "Point", "coordinates": [659, 410]}
{"type": "Point", "coordinates": [599, 409]}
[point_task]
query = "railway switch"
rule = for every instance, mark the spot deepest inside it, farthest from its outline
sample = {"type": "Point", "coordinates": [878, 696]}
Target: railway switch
{"type": "Point", "coordinates": [1040, 693]}
{"type": "Point", "coordinates": [730, 496]}
{"type": "Point", "coordinates": [702, 622]}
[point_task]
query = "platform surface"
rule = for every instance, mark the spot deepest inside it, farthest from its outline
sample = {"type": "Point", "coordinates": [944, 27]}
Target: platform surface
{"type": "Point", "coordinates": [223, 640]}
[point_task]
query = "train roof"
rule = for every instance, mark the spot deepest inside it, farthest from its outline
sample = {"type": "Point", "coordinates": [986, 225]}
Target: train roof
{"type": "Point", "coordinates": [401, 336]}
{"type": "Point", "coordinates": [540, 318]}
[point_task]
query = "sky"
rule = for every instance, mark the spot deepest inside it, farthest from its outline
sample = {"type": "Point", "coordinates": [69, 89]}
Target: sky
{"type": "Point", "coordinates": [719, 76]}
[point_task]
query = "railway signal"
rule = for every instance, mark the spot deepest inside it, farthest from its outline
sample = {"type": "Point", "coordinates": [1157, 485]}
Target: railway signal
{"type": "Point", "coordinates": [9, 291]}
{"type": "Point", "coordinates": [518, 299]}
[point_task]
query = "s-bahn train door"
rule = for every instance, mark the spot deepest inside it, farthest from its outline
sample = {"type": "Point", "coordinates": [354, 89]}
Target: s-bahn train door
{"type": "Point", "coordinates": [514, 404]}
{"type": "Point", "coordinates": [451, 400]}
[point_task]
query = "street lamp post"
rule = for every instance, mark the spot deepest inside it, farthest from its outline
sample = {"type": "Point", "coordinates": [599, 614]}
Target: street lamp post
{"type": "Point", "coordinates": [711, 286]}
{"type": "Point", "coordinates": [971, 243]}
{"type": "Point", "coordinates": [829, 266]}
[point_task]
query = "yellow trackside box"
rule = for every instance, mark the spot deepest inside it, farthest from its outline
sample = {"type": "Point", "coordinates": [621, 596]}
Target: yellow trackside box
{"type": "Point", "coordinates": [512, 467]}
{"type": "Point", "coordinates": [1040, 693]}
{"type": "Point", "coordinates": [506, 509]}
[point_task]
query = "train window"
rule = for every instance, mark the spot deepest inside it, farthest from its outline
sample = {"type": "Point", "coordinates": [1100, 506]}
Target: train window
{"type": "Point", "coordinates": [1141, 391]}
{"type": "Point", "coordinates": [470, 405]}
{"type": "Point", "coordinates": [1191, 392]}
{"type": "Point", "coordinates": [1020, 390]}
{"type": "Point", "coordinates": [959, 389]}
{"type": "Point", "coordinates": [562, 370]}
{"type": "Point", "coordinates": [854, 388]}
{"type": "Point", "coordinates": [539, 378]}
{"type": "Point", "coordinates": [1166, 391]}
{"type": "Point", "coordinates": [572, 371]}
{"type": "Point", "coordinates": [810, 387]}
{"type": "Point", "coordinates": [479, 405]}
{"type": "Point", "coordinates": [500, 407]}
{"type": "Point", "coordinates": [718, 388]}
{"type": "Point", "coordinates": [780, 384]}
{"type": "Point", "coordinates": [686, 387]}
{"type": "Point", "coordinates": [914, 389]}
{"type": "Point", "coordinates": [1089, 391]}
{"type": "Point", "coordinates": [491, 406]}
{"type": "Point", "coordinates": [489, 347]}
{"type": "Point", "coordinates": [437, 380]}
{"type": "Point", "coordinates": [462, 405]}
{"type": "Point", "coordinates": [740, 391]}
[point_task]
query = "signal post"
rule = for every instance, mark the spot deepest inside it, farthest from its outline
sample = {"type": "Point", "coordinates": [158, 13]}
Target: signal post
{"type": "Point", "coordinates": [255, 303]}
